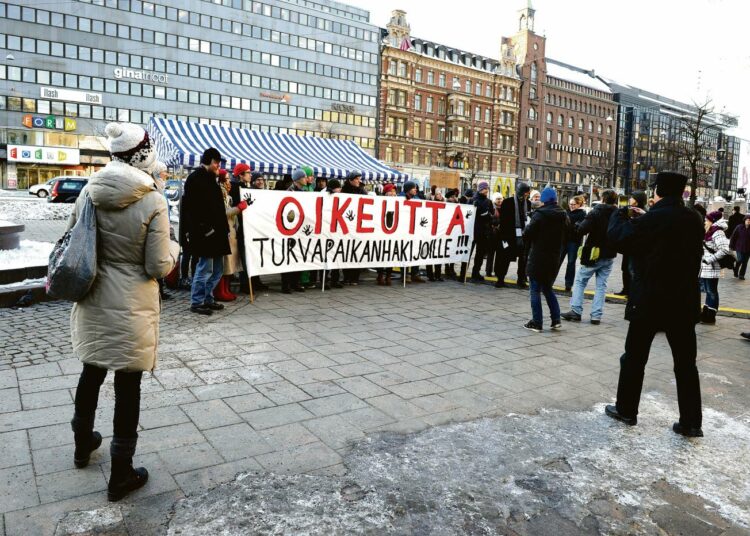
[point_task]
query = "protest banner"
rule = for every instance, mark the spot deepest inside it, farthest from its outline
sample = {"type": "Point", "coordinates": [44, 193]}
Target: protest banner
{"type": "Point", "coordinates": [296, 231]}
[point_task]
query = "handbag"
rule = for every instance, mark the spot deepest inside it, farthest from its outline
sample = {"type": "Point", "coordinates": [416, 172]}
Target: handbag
{"type": "Point", "coordinates": [72, 262]}
{"type": "Point", "coordinates": [726, 262]}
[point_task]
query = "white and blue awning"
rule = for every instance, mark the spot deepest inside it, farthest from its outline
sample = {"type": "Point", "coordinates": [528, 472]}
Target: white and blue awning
{"type": "Point", "coordinates": [183, 143]}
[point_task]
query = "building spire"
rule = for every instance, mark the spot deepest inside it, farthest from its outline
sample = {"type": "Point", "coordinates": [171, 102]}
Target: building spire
{"type": "Point", "coordinates": [526, 17]}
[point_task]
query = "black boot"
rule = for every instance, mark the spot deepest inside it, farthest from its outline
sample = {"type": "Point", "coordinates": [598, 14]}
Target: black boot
{"type": "Point", "coordinates": [86, 439]}
{"type": "Point", "coordinates": [708, 315]}
{"type": "Point", "coordinates": [123, 478]}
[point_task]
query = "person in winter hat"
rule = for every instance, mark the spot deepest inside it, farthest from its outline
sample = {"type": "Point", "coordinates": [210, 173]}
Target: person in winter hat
{"type": "Point", "coordinates": [205, 219]}
{"type": "Point", "coordinates": [514, 214]}
{"type": "Point", "coordinates": [484, 212]}
{"type": "Point", "coordinates": [576, 215]}
{"type": "Point", "coordinates": [665, 248]}
{"type": "Point", "coordinates": [740, 243]}
{"type": "Point", "coordinates": [232, 261]}
{"type": "Point", "coordinates": [716, 246]}
{"type": "Point", "coordinates": [411, 191]}
{"type": "Point", "coordinates": [545, 235]}
{"type": "Point", "coordinates": [115, 327]}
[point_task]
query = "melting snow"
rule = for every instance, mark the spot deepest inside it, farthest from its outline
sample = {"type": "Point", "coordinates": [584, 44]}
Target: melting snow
{"type": "Point", "coordinates": [29, 254]}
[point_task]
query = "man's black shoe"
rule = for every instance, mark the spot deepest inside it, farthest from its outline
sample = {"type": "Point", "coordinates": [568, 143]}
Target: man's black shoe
{"type": "Point", "coordinates": [201, 310]}
{"type": "Point", "coordinates": [533, 326]}
{"type": "Point", "coordinates": [568, 289]}
{"type": "Point", "coordinates": [477, 279]}
{"type": "Point", "coordinates": [298, 289]}
{"type": "Point", "coordinates": [500, 284]}
{"type": "Point", "coordinates": [745, 335]}
{"type": "Point", "coordinates": [623, 292]}
{"type": "Point", "coordinates": [572, 316]}
{"type": "Point", "coordinates": [611, 411]}
{"type": "Point", "coordinates": [214, 306]}
{"type": "Point", "coordinates": [596, 321]}
{"type": "Point", "coordinates": [687, 431]}
{"type": "Point", "coordinates": [286, 290]}
{"type": "Point", "coordinates": [337, 285]}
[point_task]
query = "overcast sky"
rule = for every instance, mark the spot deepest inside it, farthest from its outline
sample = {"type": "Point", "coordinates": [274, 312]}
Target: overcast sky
{"type": "Point", "coordinates": [681, 49]}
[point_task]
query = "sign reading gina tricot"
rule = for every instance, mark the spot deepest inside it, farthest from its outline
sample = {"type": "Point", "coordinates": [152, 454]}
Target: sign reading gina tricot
{"type": "Point", "coordinates": [292, 231]}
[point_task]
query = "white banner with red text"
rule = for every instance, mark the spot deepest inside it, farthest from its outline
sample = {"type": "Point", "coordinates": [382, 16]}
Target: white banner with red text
{"type": "Point", "coordinates": [297, 231]}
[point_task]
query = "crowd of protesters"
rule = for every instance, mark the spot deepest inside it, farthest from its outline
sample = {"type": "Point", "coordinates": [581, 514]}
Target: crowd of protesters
{"type": "Point", "coordinates": [671, 253]}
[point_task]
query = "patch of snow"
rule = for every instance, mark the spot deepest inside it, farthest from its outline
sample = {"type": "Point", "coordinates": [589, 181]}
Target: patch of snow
{"type": "Point", "coordinates": [18, 210]}
{"type": "Point", "coordinates": [718, 377]}
{"type": "Point", "coordinates": [37, 282]}
{"type": "Point", "coordinates": [4, 223]}
{"type": "Point", "coordinates": [29, 254]}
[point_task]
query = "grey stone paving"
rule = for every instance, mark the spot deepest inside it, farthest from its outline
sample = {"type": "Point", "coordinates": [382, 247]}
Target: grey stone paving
{"type": "Point", "coordinates": [290, 383]}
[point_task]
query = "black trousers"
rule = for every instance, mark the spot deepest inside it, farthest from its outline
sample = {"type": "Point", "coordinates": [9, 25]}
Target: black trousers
{"type": "Point", "coordinates": [434, 271]}
{"type": "Point", "coordinates": [290, 280]}
{"type": "Point", "coordinates": [127, 401]}
{"type": "Point", "coordinates": [188, 263]}
{"type": "Point", "coordinates": [482, 249]}
{"type": "Point", "coordinates": [626, 273]}
{"type": "Point", "coordinates": [503, 258]}
{"type": "Point", "coordinates": [681, 338]}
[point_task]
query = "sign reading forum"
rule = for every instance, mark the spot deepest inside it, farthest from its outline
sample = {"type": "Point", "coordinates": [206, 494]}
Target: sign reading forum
{"type": "Point", "coordinates": [296, 231]}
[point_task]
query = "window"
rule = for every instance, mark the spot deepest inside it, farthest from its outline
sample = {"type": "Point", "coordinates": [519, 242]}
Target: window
{"type": "Point", "coordinates": [533, 73]}
{"type": "Point", "coordinates": [402, 73]}
{"type": "Point", "coordinates": [580, 124]}
{"type": "Point", "coordinates": [591, 126]}
{"type": "Point", "coordinates": [418, 75]}
{"type": "Point", "coordinates": [560, 120]}
{"type": "Point", "coordinates": [570, 122]}
{"type": "Point", "coordinates": [418, 102]}
{"type": "Point", "coordinates": [441, 80]}
{"type": "Point", "coordinates": [429, 105]}
{"type": "Point", "coordinates": [478, 88]}
{"type": "Point", "coordinates": [532, 113]}
{"type": "Point", "coordinates": [417, 129]}
{"type": "Point", "coordinates": [599, 128]}
{"type": "Point", "coordinates": [431, 78]}
{"type": "Point", "coordinates": [477, 113]}
{"type": "Point", "coordinates": [487, 113]}
{"type": "Point", "coordinates": [388, 154]}
{"type": "Point", "coordinates": [467, 86]}
{"type": "Point", "coordinates": [549, 118]}
{"type": "Point", "coordinates": [428, 131]}
{"type": "Point", "coordinates": [609, 130]}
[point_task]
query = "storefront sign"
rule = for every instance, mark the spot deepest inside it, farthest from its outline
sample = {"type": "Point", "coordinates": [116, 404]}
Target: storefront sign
{"type": "Point", "coordinates": [287, 232]}
{"type": "Point", "coordinates": [346, 108]}
{"type": "Point", "coordinates": [275, 96]}
{"type": "Point", "coordinates": [44, 155]}
{"type": "Point", "coordinates": [71, 96]}
{"type": "Point", "coordinates": [49, 121]}
{"type": "Point", "coordinates": [147, 76]}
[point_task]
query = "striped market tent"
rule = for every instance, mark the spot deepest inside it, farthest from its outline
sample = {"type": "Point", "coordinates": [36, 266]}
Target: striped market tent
{"type": "Point", "coordinates": [180, 143]}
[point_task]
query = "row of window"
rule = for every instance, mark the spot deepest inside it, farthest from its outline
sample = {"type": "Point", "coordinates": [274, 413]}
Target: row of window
{"type": "Point", "coordinates": [427, 158]}
{"type": "Point", "coordinates": [92, 83]}
{"type": "Point", "coordinates": [203, 20]}
{"type": "Point", "coordinates": [581, 160]}
{"type": "Point", "coordinates": [577, 105]}
{"type": "Point", "coordinates": [397, 97]}
{"type": "Point", "coordinates": [557, 176]}
{"type": "Point", "coordinates": [107, 113]}
{"type": "Point", "coordinates": [72, 109]}
{"type": "Point", "coordinates": [463, 58]}
{"type": "Point", "coordinates": [214, 48]}
{"type": "Point", "coordinates": [397, 126]}
{"type": "Point", "coordinates": [561, 122]}
{"type": "Point", "coordinates": [401, 69]}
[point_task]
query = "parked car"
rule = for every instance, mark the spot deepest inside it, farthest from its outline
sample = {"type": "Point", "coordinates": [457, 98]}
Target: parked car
{"type": "Point", "coordinates": [66, 190]}
{"type": "Point", "coordinates": [45, 188]}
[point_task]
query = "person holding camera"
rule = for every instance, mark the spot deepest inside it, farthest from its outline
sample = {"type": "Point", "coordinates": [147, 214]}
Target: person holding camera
{"type": "Point", "coordinates": [716, 255]}
{"type": "Point", "coordinates": [665, 249]}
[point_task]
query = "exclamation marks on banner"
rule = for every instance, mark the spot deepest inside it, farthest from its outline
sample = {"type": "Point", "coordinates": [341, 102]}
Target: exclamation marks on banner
{"type": "Point", "coordinates": [462, 245]}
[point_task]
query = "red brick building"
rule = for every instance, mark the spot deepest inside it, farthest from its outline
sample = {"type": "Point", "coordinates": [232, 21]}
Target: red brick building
{"type": "Point", "coordinates": [445, 108]}
{"type": "Point", "coordinates": [564, 136]}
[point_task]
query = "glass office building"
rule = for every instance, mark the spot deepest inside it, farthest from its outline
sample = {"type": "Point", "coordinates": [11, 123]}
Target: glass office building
{"type": "Point", "coordinates": [69, 67]}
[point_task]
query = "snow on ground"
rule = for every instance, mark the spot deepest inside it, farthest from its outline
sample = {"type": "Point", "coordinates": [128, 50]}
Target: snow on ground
{"type": "Point", "coordinates": [582, 471]}
{"type": "Point", "coordinates": [18, 210]}
{"type": "Point", "coordinates": [39, 282]}
{"type": "Point", "coordinates": [29, 254]}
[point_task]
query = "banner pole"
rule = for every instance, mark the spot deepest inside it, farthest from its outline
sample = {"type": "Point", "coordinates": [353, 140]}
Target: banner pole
{"type": "Point", "coordinates": [250, 284]}
{"type": "Point", "coordinates": [323, 282]}
{"type": "Point", "coordinates": [471, 252]}
{"type": "Point", "coordinates": [403, 275]}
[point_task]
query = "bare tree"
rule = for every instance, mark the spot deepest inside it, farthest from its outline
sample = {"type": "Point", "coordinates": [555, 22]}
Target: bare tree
{"type": "Point", "coordinates": [692, 144]}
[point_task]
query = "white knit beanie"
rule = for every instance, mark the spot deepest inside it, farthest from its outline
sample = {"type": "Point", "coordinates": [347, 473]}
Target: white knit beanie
{"type": "Point", "coordinates": [130, 144]}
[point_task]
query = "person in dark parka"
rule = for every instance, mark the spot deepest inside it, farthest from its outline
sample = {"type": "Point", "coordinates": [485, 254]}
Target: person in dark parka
{"type": "Point", "coordinates": [665, 246]}
{"type": "Point", "coordinates": [545, 236]}
{"type": "Point", "coordinates": [353, 185]}
{"type": "Point", "coordinates": [207, 231]}
{"type": "Point", "coordinates": [512, 222]}
{"type": "Point", "coordinates": [485, 210]}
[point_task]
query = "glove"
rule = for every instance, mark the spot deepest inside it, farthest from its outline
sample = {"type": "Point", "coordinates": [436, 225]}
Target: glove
{"type": "Point", "coordinates": [242, 205]}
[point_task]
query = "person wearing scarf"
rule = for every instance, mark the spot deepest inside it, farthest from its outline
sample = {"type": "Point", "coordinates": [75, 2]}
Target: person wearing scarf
{"type": "Point", "coordinates": [715, 246]}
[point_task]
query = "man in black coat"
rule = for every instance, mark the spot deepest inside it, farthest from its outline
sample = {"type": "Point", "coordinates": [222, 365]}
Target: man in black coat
{"type": "Point", "coordinates": [545, 235]}
{"type": "Point", "coordinates": [665, 246]}
{"type": "Point", "coordinates": [291, 281]}
{"type": "Point", "coordinates": [513, 216]}
{"type": "Point", "coordinates": [206, 231]}
{"type": "Point", "coordinates": [485, 210]}
{"type": "Point", "coordinates": [597, 258]}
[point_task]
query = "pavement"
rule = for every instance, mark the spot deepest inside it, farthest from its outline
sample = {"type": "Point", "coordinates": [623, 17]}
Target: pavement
{"type": "Point", "coordinates": [378, 410]}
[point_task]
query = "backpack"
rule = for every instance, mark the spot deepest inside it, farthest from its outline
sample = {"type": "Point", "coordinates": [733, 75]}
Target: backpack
{"type": "Point", "coordinates": [72, 263]}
